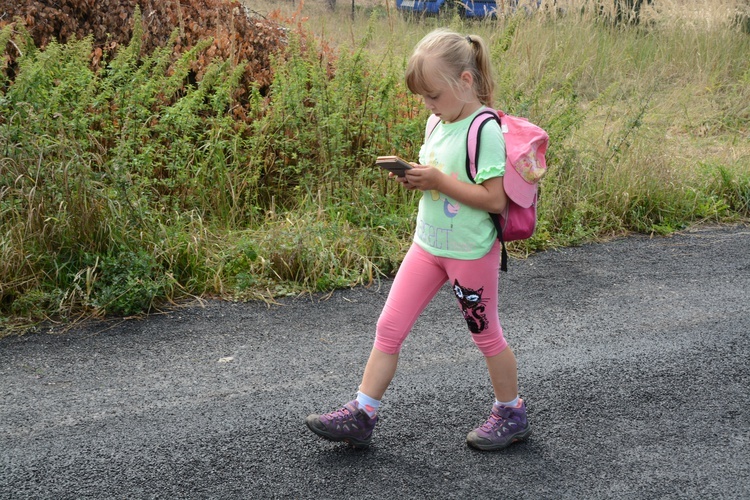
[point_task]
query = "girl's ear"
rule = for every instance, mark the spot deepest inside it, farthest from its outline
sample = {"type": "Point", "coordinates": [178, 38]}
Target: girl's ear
{"type": "Point", "coordinates": [467, 78]}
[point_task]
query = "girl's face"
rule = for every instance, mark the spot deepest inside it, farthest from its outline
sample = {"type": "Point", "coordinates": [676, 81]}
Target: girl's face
{"type": "Point", "coordinates": [450, 103]}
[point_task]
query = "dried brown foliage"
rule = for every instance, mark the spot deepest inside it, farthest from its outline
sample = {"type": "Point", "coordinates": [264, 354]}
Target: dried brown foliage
{"type": "Point", "coordinates": [236, 35]}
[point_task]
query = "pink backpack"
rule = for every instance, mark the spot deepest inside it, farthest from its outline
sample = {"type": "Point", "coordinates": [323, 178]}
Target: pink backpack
{"type": "Point", "coordinates": [525, 164]}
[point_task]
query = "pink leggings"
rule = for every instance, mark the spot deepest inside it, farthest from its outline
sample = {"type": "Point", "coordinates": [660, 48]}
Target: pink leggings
{"type": "Point", "coordinates": [420, 277]}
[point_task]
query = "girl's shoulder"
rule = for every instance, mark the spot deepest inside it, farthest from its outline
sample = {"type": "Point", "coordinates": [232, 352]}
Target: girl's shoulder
{"type": "Point", "coordinates": [486, 122]}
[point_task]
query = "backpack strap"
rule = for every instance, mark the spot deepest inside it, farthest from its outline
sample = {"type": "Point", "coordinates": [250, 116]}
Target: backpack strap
{"type": "Point", "coordinates": [432, 122]}
{"type": "Point", "coordinates": [472, 139]}
{"type": "Point", "coordinates": [472, 155]}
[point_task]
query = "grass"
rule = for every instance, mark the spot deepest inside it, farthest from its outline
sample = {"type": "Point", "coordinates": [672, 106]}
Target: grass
{"type": "Point", "coordinates": [127, 188]}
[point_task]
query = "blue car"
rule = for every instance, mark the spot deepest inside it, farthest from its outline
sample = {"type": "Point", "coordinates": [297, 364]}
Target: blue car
{"type": "Point", "coordinates": [468, 8]}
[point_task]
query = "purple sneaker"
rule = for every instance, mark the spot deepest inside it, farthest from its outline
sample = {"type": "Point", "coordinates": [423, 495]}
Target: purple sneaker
{"type": "Point", "coordinates": [504, 427]}
{"type": "Point", "coordinates": [349, 424]}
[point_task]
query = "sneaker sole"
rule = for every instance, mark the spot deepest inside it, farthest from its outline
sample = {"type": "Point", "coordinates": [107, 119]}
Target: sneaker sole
{"type": "Point", "coordinates": [496, 447]}
{"type": "Point", "coordinates": [312, 423]}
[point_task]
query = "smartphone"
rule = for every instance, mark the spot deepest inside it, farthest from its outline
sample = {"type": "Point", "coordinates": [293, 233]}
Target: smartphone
{"type": "Point", "coordinates": [393, 164]}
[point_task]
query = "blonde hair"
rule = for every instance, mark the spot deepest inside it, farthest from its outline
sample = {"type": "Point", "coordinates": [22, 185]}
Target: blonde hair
{"type": "Point", "coordinates": [456, 53]}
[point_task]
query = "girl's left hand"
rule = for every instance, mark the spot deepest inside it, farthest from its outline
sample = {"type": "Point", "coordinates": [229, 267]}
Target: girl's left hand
{"type": "Point", "coordinates": [423, 177]}
{"type": "Point", "coordinates": [405, 180]}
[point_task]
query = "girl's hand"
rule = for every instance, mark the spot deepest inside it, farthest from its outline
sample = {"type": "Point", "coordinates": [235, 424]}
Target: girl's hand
{"type": "Point", "coordinates": [404, 180]}
{"type": "Point", "coordinates": [489, 195]}
{"type": "Point", "coordinates": [424, 177]}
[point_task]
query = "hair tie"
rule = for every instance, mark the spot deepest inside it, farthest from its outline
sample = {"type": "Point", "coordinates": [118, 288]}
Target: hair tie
{"type": "Point", "coordinates": [468, 39]}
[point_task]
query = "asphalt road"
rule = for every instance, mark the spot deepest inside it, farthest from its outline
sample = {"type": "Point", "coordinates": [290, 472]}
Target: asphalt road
{"type": "Point", "coordinates": [634, 360]}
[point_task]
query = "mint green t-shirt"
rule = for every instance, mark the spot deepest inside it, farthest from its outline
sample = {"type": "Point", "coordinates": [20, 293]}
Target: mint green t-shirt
{"type": "Point", "coordinates": [446, 228]}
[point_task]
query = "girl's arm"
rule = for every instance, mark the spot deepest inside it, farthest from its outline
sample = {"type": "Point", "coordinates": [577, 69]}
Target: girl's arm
{"type": "Point", "coordinates": [488, 196]}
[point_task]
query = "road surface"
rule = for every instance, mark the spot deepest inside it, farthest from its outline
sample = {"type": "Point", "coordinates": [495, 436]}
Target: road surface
{"type": "Point", "coordinates": [634, 360]}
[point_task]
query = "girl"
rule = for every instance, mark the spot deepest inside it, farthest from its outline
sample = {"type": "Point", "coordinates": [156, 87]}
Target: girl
{"type": "Point", "coordinates": [455, 241]}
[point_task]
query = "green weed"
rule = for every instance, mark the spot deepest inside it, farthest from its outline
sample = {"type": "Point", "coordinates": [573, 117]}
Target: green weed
{"type": "Point", "coordinates": [134, 185]}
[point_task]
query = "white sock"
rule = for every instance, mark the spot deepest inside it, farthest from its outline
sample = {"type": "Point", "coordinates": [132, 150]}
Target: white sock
{"type": "Point", "coordinates": [510, 404]}
{"type": "Point", "coordinates": [368, 404]}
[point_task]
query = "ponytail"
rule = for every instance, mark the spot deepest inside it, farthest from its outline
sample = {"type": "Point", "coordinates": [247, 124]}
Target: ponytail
{"type": "Point", "coordinates": [484, 83]}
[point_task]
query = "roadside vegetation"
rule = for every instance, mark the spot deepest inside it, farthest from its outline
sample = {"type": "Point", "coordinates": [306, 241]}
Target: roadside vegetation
{"type": "Point", "coordinates": [129, 186]}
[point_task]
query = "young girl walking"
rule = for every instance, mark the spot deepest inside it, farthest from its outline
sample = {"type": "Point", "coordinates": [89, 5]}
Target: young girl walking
{"type": "Point", "coordinates": [455, 241]}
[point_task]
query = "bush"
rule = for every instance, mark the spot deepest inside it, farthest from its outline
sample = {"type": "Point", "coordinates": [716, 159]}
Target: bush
{"type": "Point", "coordinates": [234, 35]}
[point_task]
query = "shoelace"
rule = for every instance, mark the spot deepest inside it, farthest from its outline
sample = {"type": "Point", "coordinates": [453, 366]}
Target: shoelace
{"type": "Point", "coordinates": [497, 418]}
{"type": "Point", "coordinates": [340, 415]}
{"type": "Point", "coordinates": [493, 421]}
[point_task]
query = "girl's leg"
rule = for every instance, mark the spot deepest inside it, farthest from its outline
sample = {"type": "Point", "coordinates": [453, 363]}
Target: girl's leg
{"type": "Point", "coordinates": [475, 284]}
{"type": "Point", "coordinates": [378, 373]}
{"type": "Point", "coordinates": [419, 278]}
{"type": "Point", "coordinates": [417, 281]}
{"type": "Point", "coordinates": [503, 374]}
